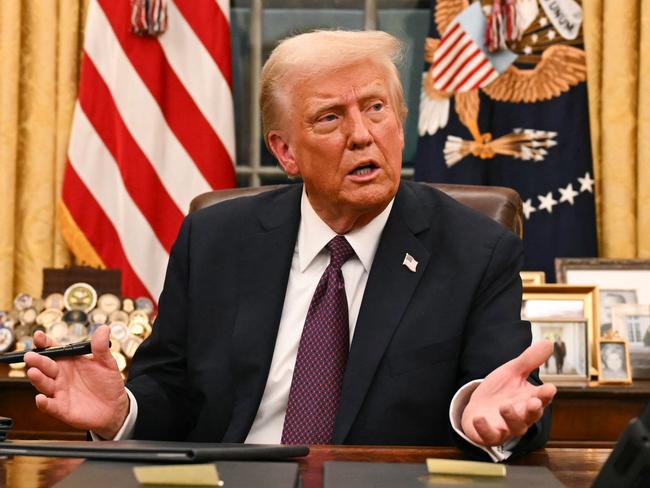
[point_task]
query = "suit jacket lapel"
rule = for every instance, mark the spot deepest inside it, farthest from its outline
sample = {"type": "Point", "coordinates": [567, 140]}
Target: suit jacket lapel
{"type": "Point", "coordinates": [265, 262]}
{"type": "Point", "coordinates": [379, 316]}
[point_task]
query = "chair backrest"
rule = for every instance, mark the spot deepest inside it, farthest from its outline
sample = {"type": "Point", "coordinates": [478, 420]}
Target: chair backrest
{"type": "Point", "coordinates": [499, 203]}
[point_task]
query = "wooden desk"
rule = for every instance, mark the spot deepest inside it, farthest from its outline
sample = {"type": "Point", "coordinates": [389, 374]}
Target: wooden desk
{"type": "Point", "coordinates": [595, 416]}
{"type": "Point", "coordinates": [17, 402]}
{"type": "Point", "coordinates": [576, 468]}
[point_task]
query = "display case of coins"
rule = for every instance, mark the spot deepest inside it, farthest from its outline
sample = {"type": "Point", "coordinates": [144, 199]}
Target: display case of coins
{"type": "Point", "coordinates": [74, 313]}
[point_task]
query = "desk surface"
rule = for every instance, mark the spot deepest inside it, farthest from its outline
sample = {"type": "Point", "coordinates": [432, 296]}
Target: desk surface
{"type": "Point", "coordinates": [576, 468]}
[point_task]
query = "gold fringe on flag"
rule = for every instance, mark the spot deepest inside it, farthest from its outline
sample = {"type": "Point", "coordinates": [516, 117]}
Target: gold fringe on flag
{"type": "Point", "coordinates": [75, 239]}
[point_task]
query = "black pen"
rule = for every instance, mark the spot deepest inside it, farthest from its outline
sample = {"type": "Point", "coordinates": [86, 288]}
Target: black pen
{"type": "Point", "coordinates": [76, 349]}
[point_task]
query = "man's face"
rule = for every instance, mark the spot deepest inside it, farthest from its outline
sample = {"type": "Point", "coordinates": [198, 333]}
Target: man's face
{"type": "Point", "coordinates": [344, 138]}
{"type": "Point", "coordinates": [613, 360]}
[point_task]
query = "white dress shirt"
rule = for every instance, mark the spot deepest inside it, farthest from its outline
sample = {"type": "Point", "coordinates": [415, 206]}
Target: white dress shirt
{"type": "Point", "coordinates": [310, 258]}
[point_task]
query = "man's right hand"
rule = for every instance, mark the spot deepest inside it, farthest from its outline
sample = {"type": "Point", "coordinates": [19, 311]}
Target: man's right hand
{"type": "Point", "coordinates": [86, 392]}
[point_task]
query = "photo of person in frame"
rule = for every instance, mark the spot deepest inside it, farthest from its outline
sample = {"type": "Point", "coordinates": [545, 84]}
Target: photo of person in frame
{"type": "Point", "coordinates": [570, 348]}
{"type": "Point", "coordinates": [559, 353]}
{"type": "Point", "coordinates": [632, 322]}
{"type": "Point", "coordinates": [613, 361]}
{"type": "Point", "coordinates": [609, 299]}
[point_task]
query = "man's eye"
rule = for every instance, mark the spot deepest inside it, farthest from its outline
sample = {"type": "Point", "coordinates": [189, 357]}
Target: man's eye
{"type": "Point", "coordinates": [327, 118]}
{"type": "Point", "coordinates": [376, 107]}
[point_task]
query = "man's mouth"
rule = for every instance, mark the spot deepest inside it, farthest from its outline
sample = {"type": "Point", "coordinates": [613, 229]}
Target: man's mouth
{"type": "Point", "coordinates": [366, 169]}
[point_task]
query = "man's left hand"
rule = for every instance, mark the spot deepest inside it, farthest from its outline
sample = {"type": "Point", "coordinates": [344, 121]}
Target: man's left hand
{"type": "Point", "coordinates": [505, 404]}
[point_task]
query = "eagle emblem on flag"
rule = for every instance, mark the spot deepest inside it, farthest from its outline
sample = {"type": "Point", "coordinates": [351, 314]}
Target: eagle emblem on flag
{"type": "Point", "coordinates": [512, 50]}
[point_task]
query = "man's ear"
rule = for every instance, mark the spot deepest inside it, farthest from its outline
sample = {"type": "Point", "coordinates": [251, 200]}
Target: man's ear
{"type": "Point", "coordinates": [282, 151]}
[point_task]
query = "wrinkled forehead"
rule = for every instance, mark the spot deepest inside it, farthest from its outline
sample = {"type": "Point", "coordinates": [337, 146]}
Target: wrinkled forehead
{"type": "Point", "coordinates": [354, 92]}
{"type": "Point", "coordinates": [364, 77]}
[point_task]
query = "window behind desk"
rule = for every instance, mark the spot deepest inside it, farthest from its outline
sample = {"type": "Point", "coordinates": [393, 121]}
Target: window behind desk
{"type": "Point", "coordinates": [408, 20]}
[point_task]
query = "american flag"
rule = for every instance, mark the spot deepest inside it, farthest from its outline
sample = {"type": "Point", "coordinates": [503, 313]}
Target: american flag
{"type": "Point", "coordinates": [153, 127]}
{"type": "Point", "coordinates": [461, 62]}
{"type": "Point", "coordinates": [459, 65]}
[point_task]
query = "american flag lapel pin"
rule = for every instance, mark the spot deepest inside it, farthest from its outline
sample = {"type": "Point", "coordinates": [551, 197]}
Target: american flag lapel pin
{"type": "Point", "coordinates": [410, 262]}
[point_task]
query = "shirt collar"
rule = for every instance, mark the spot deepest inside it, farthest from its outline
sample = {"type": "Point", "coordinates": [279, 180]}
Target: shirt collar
{"type": "Point", "coordinates": [314, 234]}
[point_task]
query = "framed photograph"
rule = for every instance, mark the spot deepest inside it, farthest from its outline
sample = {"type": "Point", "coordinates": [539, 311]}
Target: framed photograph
{"type": "Point", "coordinates": [533, 277]}
{"type": "Point", "coordinates": [613, 361]}
{"type": "Point", "coordinates": [570, 359]}
{"type": "Point", "coordinates": [565, 303]}
{"type": "Point", "coordinates": [610, 299]}
{"type": "Point", "coordinates": [621, 281]}
{"type": "Point", "coordinates": [632, 322]}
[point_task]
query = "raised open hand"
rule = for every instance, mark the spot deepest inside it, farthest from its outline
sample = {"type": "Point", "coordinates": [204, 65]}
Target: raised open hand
{"type": "Point", "coordinates": [86, 392]}
{"type": "Point", "coordinates": [505, 404]}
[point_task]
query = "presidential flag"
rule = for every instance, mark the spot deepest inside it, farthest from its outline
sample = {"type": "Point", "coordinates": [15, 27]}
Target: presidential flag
{"type": "Point", "coordinates": [153, 127]}
{"type": "Point", "coordinates": [504, 103]}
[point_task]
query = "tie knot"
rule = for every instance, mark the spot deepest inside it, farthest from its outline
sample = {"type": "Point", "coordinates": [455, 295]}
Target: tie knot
{"type": "Point", "coordinates": [340, 251]}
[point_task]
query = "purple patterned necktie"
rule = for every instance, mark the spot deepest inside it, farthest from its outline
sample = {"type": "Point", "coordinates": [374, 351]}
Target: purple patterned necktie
{"type": "Point", "coordinates": [322, 355]}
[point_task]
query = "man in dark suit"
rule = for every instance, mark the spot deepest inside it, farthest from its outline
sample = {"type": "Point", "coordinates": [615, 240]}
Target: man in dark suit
{"type": "Point", "coordinates": [423, 307]}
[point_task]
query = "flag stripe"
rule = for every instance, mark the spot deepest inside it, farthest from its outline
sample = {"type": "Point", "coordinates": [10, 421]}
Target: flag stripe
{"type": "Point", "coordinates": [470, 82]}
{"type": "Point", "coordinates": [201, 77]}
{"type": "Point", "coordinates": [140, 178]}
{"type": "Point", "coordinates": [98, 171]}
{"type": "Point", "coordinates": [100, 232]}
{"type": "Point", "coordinates": [450, 31]}
{"type": "Point", "coordinates": [447, 44]}
{"type": "Point", "coordinates": [487, 78]}
{"type": "Point", "coordinates": [211, 25]}
{"type": "Point", "coordinates": [466, 67]}
{"type": "Point", "coordinates": [467, 56]}
{"type": "Point", "coordinates": [441, 64]}
{"type": "Point", "coordinates": [167, 99]}
{"type": "Point", "coordinates": [440, 69]}
{"type": "Point", "coordinates": [142, 115]}
{"type": "Point", "coordinates": [443, 78]}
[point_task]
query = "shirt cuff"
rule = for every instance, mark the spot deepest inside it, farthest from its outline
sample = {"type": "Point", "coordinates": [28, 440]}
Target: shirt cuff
{"type": "Point", "coordinates": [126, 431]}
{"type": "Point", "coordinates": [458, 404]}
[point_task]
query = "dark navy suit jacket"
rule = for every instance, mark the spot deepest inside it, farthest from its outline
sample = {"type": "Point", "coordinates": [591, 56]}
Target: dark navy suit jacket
{"type": "Point", "coordinates": [419, 335]}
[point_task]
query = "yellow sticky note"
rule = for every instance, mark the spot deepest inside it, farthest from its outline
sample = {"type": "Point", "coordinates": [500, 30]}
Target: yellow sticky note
{"type": "Point", "coordinates": [467, 468]}
{"type": "Point", "coordinates": [178, 475]}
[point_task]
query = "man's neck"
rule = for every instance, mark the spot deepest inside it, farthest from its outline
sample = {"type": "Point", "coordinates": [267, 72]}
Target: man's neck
{"type": "Point", "coordinates": [343, 222]}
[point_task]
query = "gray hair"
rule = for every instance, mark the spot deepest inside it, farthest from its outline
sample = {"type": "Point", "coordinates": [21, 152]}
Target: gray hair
{"type": "Point", "coordinates": [304, 55]}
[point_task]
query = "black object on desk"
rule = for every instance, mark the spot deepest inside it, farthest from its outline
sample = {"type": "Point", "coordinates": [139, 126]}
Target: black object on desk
{"type": "Point", "coordinates": [629, 463]}
{"type": "Point", "coordinates": [344, 474]}
{"type": "Point", "coordinates": [234, 474]}
{"type": "Point", "coordinates": [5, 425]}
{"type": "Point", "coordinates": [152, 451]}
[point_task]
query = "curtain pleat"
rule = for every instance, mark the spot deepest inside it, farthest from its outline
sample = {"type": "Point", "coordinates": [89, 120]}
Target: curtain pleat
{"type": "Point", "coordinates": [10, 42]}
{"type": "Point", "coordinates": [40, 46]}
{"type": "Point", "coordinates": [643, 136]}
{"type": "Point", "coordinates": [617, 42]}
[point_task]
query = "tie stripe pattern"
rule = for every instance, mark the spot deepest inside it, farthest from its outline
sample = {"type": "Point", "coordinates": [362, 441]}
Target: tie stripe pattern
{"type": "Point", "coordinates": [315, 391]}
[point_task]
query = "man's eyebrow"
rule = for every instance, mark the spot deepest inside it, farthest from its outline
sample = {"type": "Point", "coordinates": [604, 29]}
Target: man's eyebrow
{"type": "Point", "coordinates": [323, 103]}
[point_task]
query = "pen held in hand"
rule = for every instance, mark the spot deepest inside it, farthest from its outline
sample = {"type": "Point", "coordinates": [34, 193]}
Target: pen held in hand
{"type": "Point", "coordinates": [76, 349]}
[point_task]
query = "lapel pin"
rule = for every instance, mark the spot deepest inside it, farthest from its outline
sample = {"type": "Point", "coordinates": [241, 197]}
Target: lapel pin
{"type": "Point", "coordinates": [410, 262]}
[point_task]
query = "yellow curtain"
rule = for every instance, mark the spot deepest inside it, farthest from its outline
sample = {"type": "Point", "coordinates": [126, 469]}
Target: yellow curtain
{"type": "Point", "coordinates": [617, 38]}
{"type": "Point", "coordinates": [40, 46]}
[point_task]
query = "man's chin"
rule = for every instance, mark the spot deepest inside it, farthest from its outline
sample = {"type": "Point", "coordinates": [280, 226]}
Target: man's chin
{"type": "Point", "coordinates": [369, 199]}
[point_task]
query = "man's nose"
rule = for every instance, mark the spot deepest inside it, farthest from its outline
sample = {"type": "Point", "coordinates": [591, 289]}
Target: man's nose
{"type": "Point", "coordinates": [359, 135]}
